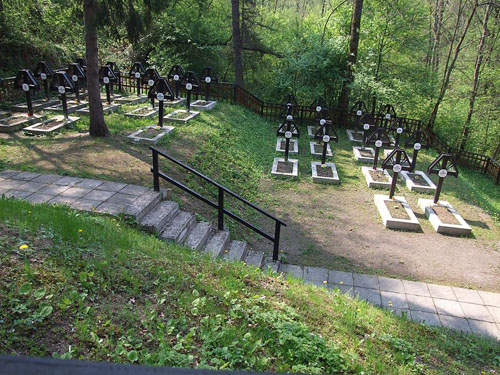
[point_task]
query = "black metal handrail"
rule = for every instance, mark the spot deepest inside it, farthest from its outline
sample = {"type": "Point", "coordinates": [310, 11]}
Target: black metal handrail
{"type": "Point", "coordinates": [221, 211]}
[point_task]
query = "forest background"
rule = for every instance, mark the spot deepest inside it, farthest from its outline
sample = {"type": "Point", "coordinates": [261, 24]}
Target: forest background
{"type": "Point", "coordinates": [435, 60]}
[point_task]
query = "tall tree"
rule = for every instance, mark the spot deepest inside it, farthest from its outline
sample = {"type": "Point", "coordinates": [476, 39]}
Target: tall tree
{"type": "Point", "coordinates": [351, 58]}
{"type": "Point", "coordinates": [475, 79]}
{"type": "Point", "coordinates": [459, 33]}
{"type": "Point", "coordinates": [237, 43]}
{"type": "Point", "coordinates": [97, 125]}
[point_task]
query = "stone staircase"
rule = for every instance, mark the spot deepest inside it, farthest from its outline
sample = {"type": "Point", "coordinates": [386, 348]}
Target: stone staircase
{"type": "Point", "coordinates": [170, 223]}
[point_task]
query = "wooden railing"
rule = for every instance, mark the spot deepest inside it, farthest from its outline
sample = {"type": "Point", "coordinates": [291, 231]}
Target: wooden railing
{"type": "Point", "coordinates": [235, 94]}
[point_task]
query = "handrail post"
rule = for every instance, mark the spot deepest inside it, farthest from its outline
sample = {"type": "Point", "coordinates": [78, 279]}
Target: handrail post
{"type": "Point", "coordinates": [276, 249]}
{"type": "Point", "coordinates": [156, 177]}
{"type": "Point", "coordinates": [220, 209]}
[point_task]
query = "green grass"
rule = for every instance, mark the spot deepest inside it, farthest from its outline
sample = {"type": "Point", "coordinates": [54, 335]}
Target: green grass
{"type": "Point", "coordinates": [94, 288]}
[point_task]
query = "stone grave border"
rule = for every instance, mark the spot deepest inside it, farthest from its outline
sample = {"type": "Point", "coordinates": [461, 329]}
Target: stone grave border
{"type": "Point", "coordinates": [438, 225]}
{"type": "Point", "coordinates": [66, 123]}
{"type": "Point", "coordinates": [313, 152]}
{"type": "Point", "coordinates": [135, 137]}
{"type": "Point", "coordinates": [363, 159]}
{"type": "Point", "coordinates": [376, 184]}
{"type": "Point", "coordinates": [430, 189]}
{"type": "Point", "coordinates": [192, 115]}
{"type": "Point", "coordinates": [294, 143]}
{"type": "Point", "coordinates": [151, 113]}
{"type": "Point", "coordinates": [295, 170]}
{"type": "Point", "coordinates": [335, 180]}
{"type": "Point", "coordinates": [207, 107]}
{"type": "Point", "coordinates": [394, 223]}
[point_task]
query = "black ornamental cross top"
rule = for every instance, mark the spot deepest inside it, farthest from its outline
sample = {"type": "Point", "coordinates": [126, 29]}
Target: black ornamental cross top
{"type": "Point", "coordinates": [44, 74]}
{"type": "Point", "coordinates": [190, 82]}
{"type": "Point", "coordinates": [208, 76]}
{"type": "Point", "coordinates": [137, 72]}
{"type": "Point", "coordinates": [176, 74]}
{"type": "Point", "coordinates": [26, 81]}
{"type": "Point", "coordinates": [75, 71]}
{"type": "Point", "coordinates": [161, 90]}
{"type": "Point", "coordinates": [398, 161]}
{"type": "Point", "coordinates": [444, 165]}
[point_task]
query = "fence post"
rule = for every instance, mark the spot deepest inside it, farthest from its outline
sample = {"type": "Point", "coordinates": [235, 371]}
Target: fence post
{"type": "Point", "coordinates": [156, 177]}
{"type": "Point", "coordinates": [276, 249]}
{"type": "Point", "coordinates": [498, 176]}
{"type": "Point", "coordinates": [220, 209]}
{"type": "Point", "coordinates": [234, 93]}
{"type": "Point", "coordinates": [485, 170]}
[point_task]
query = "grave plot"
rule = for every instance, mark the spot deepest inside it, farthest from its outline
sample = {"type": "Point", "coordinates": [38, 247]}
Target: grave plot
{"type": "Point", "coordinates": [106, 78]}
{"type": "Point", "coordinates": [150, 134]}
{"type": "Point", "coordinates": [62, 84]}
{"type": "Point", "coordinates": [376, 178]}
{"type": "Point", "coordinates": [73, 106]}
{"type": "Point", "coordinates": [17, 122]}
{"type": "Point", "coordinates": [281, 145]}
{"type": "Point", "coordinates": [442, 215]}
{"type": "Point", "coordinates": [136, 72]}
{"type": "Point", "coordinates": [190, 82]}
{"type": "Point", "coordinates": [394, 210]}
{"type": "Point", "coordinates": [4, 114]}
{"type": "Point", "coordinates": [43, 73]}
{"type": "Point", "coordinates": [417, 180]}
{"type": "Point", "coordinates": [208, 76]}
{"type": "Point", "coordinates": [286, 167]}
{"type": "Point", "coordinates": [363, 154]}
{"type": "Point", "coordinates": [323, 172]}
{"type": "Point", "coordinates": [359, 109]}
{"type": "Point", "coordinates": [142, 112]}
{"type": "Point", "coordinates": [354, 136]}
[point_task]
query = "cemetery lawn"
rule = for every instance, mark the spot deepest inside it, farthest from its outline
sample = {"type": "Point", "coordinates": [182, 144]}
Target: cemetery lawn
{"type": "Point", "coordinates": [74, 285]}
{"type": "Point", "coordinates": [337, 227]}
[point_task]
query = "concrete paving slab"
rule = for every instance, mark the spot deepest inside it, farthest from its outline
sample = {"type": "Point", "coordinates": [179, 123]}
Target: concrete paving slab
{"type": "Point", "coordinates": [25, 176]}
{"type": "Point", "coordinates": [75, 192]}
{"type": "Point", "coordinates": [447, 307]}
{"type": "Point", "coordinates": [316, 274]}
{"type": "Point", "coordinates": [17, 194]}
{"type": "Point", "coordinates": [31, 186]}
{"type": "Point", "coordinates": [54, 189]}
{"type": "Point", "coordinates": [134, 190]}
{"type": "Point", "coordinates": [365, 281]}
{"type": "Point", "coordinates": [88, 183]}
{"type": "Point", "coordinates": [489, 329]}
{"type": "Point", "coordinates": [476, 312]}
{"type": "Point", "coordinates": [467, 295]}
{"type": "Point", "coordinates": [421, 303]}
{"type": "Point", "coordinates": [112, 186]}
{"type": "Point", "coordinates": [490, 299]}
{"type": "Point", "coordinates": [68, 181]}
{"type": "Point", "coordinates": [441, 291]}
{"type": "Point", "coordinates": [369, 295]}
{"type": "Point", "coordinates": [340, 277]}
{"type": "Point", "coordinates": [455, 323]}
{"type": "Point", "coordinates": [47, 178]}
{"type": "Point", "coordinates": [124, 199]}
{"type": "Point", "coordinates": [391, 285]}
{"type": "Point", "coordinates": [393, 299]}
{"type": "Point", "coordinates": [39, 198]}
{"type": "Point", "coordinates": [99, 195]}
{"type": "Point", "coordinates": [417, 288]}
{"type": "Point", "coordinates": [290, 269]}
{"type": "Point", "coordinates": [110, 208]}
{"type": "Point", "coordinates": [494, 312]}
{"type": "Point", "coordinates": [428, 318]}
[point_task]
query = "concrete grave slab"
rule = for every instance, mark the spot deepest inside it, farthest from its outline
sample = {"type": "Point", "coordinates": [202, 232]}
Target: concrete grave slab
{"type": "Point", "coordinates": [141, 136]}
{"type": "Point", "coordinates": [132, 99]}
{"type": "Point", "coordinates": [202, 105]}
{"type": "Point", "coordinates": [51, 125]}
{"type": "Point", "coordinates": [294, 145]}
{"type": "Point", "coordinates": [458, 228]}
{"type": "Point", "coordinates": [175, 102]}
{"type": "Point", "coordinates": [142, 112]}
{"type": "Point", "coordinates": [17, 122]}
{"type": "Point", "coordinates": [354, 136]}
{"type": "Point", "coordinates": [410, 223]}
{"type": "Point", "coordinates": [372, 183]}
{"type": "Point", "coordinates": [181, 115]}
{"type": "Point", "coordinates": [331, 177]}
{"type": "Point", "coordinates": [411, 179]}
{"type": "Point", "coordinates": [38, 105]}
{"type": "Point", "coordinates": [292, 163]}
{"type": "Point", "coordinates": [4, 114]}
{"type": "Point", "coordinates": [73, 106]}
{"type": "Point", "coordinates": [106, 108]}
{"type": "Point", "coordinates": [363, 154]}
{"type": "Point", "coordinates": [311, 131]}
{"type": "Point", "coordinates": [312, 147]}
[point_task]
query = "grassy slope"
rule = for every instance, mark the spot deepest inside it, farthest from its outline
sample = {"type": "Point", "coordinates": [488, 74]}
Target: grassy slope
{"type": "Point", "coordinates": [94, 288]}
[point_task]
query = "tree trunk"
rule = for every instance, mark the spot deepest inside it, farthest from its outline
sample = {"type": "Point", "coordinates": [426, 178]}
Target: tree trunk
{"type": "Point", "coordinates": [98, 127]}
{"type": "Point", "coordinates": [237, 44]}
{"type": "Point", "coordinates": [452, 58]}
{"type": "Point", "coordinates": [351, 59]}
{"type": "Point", "coordinates": [475, 79]}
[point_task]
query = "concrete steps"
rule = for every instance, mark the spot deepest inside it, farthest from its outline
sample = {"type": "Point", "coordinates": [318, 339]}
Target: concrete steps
{"type": "Point", "coordinates": [156, 219]}
{"type": "Point", "coordinates": [217, 244]}
{"type": "Point", "coordinates": [236, 252]}
{"type": "Point", "coordinates": [255, 258]}
{"type": "Point", "coordinates": [178, 228]}
{"type": "Point", "coordinates": [199, 235]}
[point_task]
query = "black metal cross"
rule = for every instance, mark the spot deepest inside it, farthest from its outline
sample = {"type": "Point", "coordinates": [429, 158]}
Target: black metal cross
{"type": "Point", "coordinates": [443, 166]}
{"type": "Point", "coordinates": [77, 74]}
{"type": "Point", "coordinates": [190, 82]}
{"type": "Point", "coordinates": [107, 77]}
{"type": "Point", "coordinates": [378, 137]}
{"type": "Point", "coordinates": [398, 161]}
{"type": "Point", "coordinates": [44, 73]}
{"type": "Point", "coordinates": [209, 76]}
{"type": "Point", "coordinates": [417, 140]}
{"type": "Point", "coordinates": [62, 84]}
{"type": "Point", "coordinates": [26, 81]}
{"type": "Point", "coordinates": [325, 134]}
{"type": "Point", "coordinates": [136, 72]}
{"type": "Point", "coordinates": [118, 75]}
{"type": "Point", "coordinates": [176, 74]}
{"type": "Point", "coordinates": [161, 90]}
{"type": "Point", "coordinates": [149, 78]}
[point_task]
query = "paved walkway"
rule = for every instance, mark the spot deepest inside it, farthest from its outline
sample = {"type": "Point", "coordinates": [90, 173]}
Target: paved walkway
{"type": "Point", "coordinates": [437, 305]}
{"type": "Point", "coordinates": [460, 309]}
{"type": "Point", "coordinates": [79, 193]}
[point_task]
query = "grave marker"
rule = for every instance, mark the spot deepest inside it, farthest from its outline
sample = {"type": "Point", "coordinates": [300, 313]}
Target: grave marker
{"type": "Point", "coordinates": [288, 123]}
{"type": "Point", "coordinates": [208, 76]}
{"type": "Point", "coordinates": [44, 74]}
{"type": "Point", "coordinates": [397, 161]}
{"type": "Point", "coordinates": [26, 81]}
{"type": "Point", "coordinates": [325, 134]}
{"type": "Point", "coordinates": [377, 137]}
{"type": "Point", "coordinates": [162, 91]}
{"type": "Point", "coordinates": [62, 83]}
{"type": "Point", "coordinates": [359, 109]}
{"type": "Point", "coordinates": [137, 72]}
{"type": "Point", "coordinates": [190, 83]}
{"type": "Point", "coordinates": [416, 140]}
{"type": "Point", "coordinates": [107, 77]}
{"type": "Point", "coordinates": [77, 75]}
{"type": "Point", "coordinates": [176, 75]}
{"type": "Point", "coordinates": [443, 166]}
{"type": "Point", "coordinates": [149, 78]}
{"type": "Point", "coordinates": [118, 75]}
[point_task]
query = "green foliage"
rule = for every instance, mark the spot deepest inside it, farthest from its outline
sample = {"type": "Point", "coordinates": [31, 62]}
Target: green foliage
{"type": "Point", "coordinates": [100, 290]}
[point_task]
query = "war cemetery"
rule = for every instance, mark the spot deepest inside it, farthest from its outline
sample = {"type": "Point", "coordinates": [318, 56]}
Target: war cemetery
{"type": "Point", "coordinates": [176, 202]}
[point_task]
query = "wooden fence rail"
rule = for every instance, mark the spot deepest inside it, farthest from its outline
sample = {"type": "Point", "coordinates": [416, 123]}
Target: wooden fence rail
{"type": "Point", "coordinates": [235, 94]}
